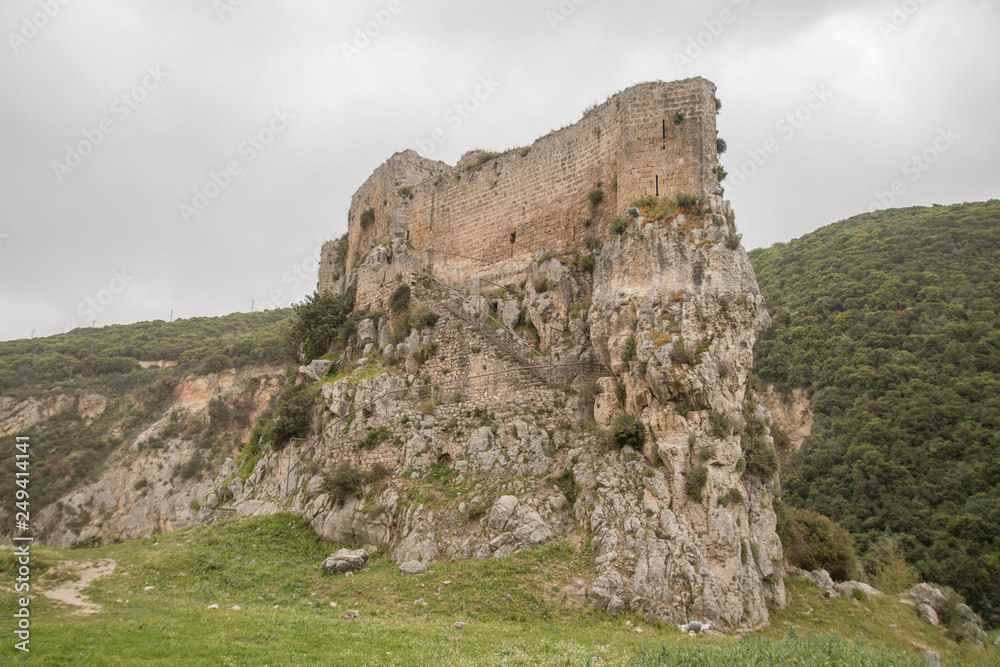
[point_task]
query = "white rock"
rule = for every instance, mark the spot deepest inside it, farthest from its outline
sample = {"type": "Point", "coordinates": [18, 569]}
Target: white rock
{"type": "Point", "coordinates": [412, 567]}
{"type": "Point", "coordinates": [345, 561]}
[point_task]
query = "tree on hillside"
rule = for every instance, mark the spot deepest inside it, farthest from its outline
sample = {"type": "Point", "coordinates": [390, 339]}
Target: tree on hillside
{"type": "Point", "coordinates": [317, 324]}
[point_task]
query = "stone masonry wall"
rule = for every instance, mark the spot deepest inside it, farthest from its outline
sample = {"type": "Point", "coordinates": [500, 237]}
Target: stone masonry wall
{"type": "Point", "coordinates": [493, 218]}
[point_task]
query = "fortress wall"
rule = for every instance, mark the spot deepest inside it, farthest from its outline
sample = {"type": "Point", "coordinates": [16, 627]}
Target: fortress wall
{"type": "Point", "coordinates": [493, 219]}
{"type": "Point", "coordinates": [381, 193]}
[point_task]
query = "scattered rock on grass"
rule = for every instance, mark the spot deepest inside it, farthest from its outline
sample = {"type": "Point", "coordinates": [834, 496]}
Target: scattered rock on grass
{"type": "Point", "coordinates": [345, 561]}
{"type": "Point", "coordinates": [412, 567]}
{"type": "Point", "coordinates": [928, 614]}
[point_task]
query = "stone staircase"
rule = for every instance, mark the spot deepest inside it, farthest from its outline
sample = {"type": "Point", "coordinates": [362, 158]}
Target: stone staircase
{"type": "Point", "coordinates": [446, 298]}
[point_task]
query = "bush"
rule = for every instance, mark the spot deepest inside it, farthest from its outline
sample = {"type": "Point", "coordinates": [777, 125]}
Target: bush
{"type": "Point", "coordinates": [474, 513]}
{"type": "Point", "coordinates": [620, 392]}
{"type": "Point", "coordinates": [722, 424]}
{"type": "Point", "coordinates": [678, 118]}
{"type": "Point", "coordinates": [367, 218]}
{"type": "Point", "coordinates": [595, 197]}
{"type": "Point", "coordinates": [376, 474]}
{"type": "Point", "coordinates": [568, 485]}
{"type": "Point", "coordinates": [374, 438]}
{"type": "Point", "coordinates": [761, 459]}
{"type": "Point", "coordinates": [343, 484]}
{"type": "Point", "coordinates": [425, 318]}
{"type": "Point", "coordinates": [628, 431]}
{"type": "Point", "coordinates": [293, 415]}
{"type": "Point", "coordinates": [628, 351]}
{"type": "Point", "coordinates": [682, 354]}
{"type": "Point", "coordinates": [400, 299]}
{"type": "Point", "coordinates": [591, 241]}
{"type": "Point", "coordinates": [541, 285]}
{"type": "Point", "coordinates": [216, 363]}
{"type": "Point", "coordinates": [317, 323]}
{"type": "Point", "coordinates": [732, 497]}
{"type": "Point", "coordinates": [586, 263]}
{"type": "Point", "coordinates": [406, 192]}
{"type": "Point", "coordinates": [343, 245]}
{"type": "Point", "coordinates": [721, 172]}
{"type": "Point", "coordinates": [817, 543]}
{"type": "Point", "coordinates": [887, 567]}
{"type": "Point", "coordinates": [687, 201]}
{"type": "Point", "coordinates": [619, 224]}
{"type": "Point", "coordinates": [721, 146]}
{"type": "Point", "coordinates": [696, 478]}
{"type": "Point", "coordinates": [733, 240]}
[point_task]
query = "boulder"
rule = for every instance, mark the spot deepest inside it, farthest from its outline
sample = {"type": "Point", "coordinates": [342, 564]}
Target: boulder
{"type": "Point", "coordinates": [926, 594]}
{"type": "Point", "coordinates": [847, 589]}
{"type": "Point", "coordinates": [819, 578]}
{"type": "Point", "coordinates": [367, 332]}
{"type": "Point", "coordinates": [320, 367]}
{"type": "Point", "coordinates": [932, 658]}
{"type": "Point", "coordinates": [345, 561]}
{"type": "Point", "coordinates": [412, 567]}
{"type": "Point", "coordinates": [510, 313]}
{"type": "Point", "coordinates": [308, 375]}
{"type": "Point", "coordinates": [606, 592]}
{"type": "Point", "coordinates": [928, 614]}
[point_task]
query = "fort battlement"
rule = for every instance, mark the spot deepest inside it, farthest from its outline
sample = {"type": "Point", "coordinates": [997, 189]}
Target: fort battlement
{"type": "Point", "coordinates": [490, 216]}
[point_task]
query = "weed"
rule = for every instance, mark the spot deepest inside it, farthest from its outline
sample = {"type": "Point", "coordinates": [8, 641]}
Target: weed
{"type": "Point", "coordinates": [628, 431]}
{"type": "Point", "coordinates": [696, 480]}
{"type": "Point", "coordinates": [367, 218]}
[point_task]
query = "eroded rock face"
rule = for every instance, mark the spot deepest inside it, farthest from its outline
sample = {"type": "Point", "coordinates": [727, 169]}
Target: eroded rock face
{"type": "Point", "coordinates": [140, 491]}
{"type": "Point", "coordinates": [18, 416]}
{"type": "Point", "coordinates": [675, 315]}
{"type": "Point", "coordinates": [682, 529]}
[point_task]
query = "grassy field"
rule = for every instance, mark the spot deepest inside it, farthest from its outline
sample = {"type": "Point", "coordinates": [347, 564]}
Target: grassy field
{"type": "Point", "coordinates": [518, 611]}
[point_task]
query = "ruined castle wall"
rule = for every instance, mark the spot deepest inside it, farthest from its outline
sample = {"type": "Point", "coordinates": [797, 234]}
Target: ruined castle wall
{"type": "Point", "coordinates": [381, 194]}
{"type": "Point", "coordinates": [492, 219]}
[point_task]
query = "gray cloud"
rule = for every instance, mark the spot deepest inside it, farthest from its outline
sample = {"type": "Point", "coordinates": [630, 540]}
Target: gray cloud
{"type": "Point", "coordinates": [889, 97]}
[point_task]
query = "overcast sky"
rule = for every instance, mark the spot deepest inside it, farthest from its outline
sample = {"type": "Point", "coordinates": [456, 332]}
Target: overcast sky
{"type": "Point", "coordinates": [113, 113]}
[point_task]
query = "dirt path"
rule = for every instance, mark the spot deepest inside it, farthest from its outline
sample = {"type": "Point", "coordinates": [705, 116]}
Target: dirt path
{"type": "Point", "coordinates": [69, 592]}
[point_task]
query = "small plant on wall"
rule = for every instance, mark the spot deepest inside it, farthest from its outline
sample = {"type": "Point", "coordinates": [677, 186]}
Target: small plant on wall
{"type": "Point", "coordinates": [367, 218]}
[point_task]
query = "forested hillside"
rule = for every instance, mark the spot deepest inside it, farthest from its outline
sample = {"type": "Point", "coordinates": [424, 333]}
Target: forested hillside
{"type": "Point", "coordinates": [80, 395]}
{"type": "Point", "coordinates": [199, 344]}
{"type": "Point", "coordinates": [892, 321]}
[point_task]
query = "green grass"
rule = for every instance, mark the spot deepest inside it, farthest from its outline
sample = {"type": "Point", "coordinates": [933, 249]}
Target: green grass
{"type": "Point", "coordinates": [809, 613]}
{"type": "Point", "coordinates": [269, 566]}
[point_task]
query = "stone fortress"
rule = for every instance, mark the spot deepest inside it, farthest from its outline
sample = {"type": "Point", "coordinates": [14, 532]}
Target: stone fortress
{"type": "Point", "coordinates": [488, 215]}
{"type": "Point", "coordinates": [561, 332]}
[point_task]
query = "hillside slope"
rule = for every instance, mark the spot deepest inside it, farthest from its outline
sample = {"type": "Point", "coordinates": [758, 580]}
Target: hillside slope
{"type": "Point", "coordinates": [135, 405]}
{"type": "Point", "coordinates": [892, 321]}
{"type": "Point", "coordinates": [274, 602]}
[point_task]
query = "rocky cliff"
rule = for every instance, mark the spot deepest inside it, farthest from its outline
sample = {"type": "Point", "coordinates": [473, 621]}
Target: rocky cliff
{"type": "Point", "coordinates": [168, 460]}
{"type": "Point", "coordinates": [505, 423]}
{"type": "Point", "coordinates": [605, 400]}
